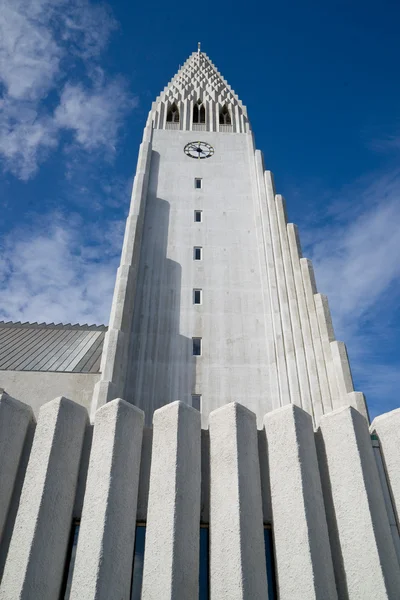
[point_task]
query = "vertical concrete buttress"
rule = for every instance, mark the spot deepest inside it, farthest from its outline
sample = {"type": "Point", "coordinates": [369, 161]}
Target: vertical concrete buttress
{"type": "Point", "coordinates": [298, 341]}
{"type": "Point", "coordinates": [326, 373]}
{"type": "Point", "coordinates": [278, 382]}
{"type": "Point", "coordinates": [310, 351]}
{"type": "Point", "coordinates": [16, 419]}
{"type": "Point", "coordinates": [289, 357]}
{"type": "Point", "coordinates": [327, 335]}
{"type": "Point", "coordinates": [387, 428]}
{"type": "Point", "coordinates": [117, 339]}
{"type": "Point", "coordinates": [303, 555]}
{"type": "Point", "coordinates": [171, 560]}
{"type": "Point", "coordinates": [103, 564]}
{"type": "Point", "coordinates": [35, 561]}
{"type": "Point", "coordinates": [237, 555]}
{"type": "Point", "coordinates": [363, 552]}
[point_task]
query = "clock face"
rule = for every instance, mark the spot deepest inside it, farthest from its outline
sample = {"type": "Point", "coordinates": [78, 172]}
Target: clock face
{"type": "Point", "coordinates": [199, 150]}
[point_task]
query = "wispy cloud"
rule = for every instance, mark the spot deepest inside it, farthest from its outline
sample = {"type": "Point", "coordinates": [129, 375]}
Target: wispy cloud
{"type": "Point", "coordinates": [356, 258]}
{"type": "Point", "coordinates": [91, 113]}
{"type": "Point", "coordinates": [48, 273]}
{"type": "Point", "coordinates": [41, 43]}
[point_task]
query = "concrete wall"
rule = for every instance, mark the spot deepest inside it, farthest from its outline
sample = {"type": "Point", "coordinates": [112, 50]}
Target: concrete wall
{"type": "Point", "coordinates": [231, 319]}
{"type": "Point", "coordinates": [267, 336]}
{"type": "Point", "coordinates": [36, 388]}
{"type": "Point", "coordinates": [320, 491]}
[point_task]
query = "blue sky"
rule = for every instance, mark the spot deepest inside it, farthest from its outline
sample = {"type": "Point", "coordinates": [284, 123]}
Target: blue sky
{"type": "Point", "coordinates": [321, 84]}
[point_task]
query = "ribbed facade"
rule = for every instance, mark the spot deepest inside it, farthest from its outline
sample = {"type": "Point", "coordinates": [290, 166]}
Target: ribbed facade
{"type": "Point", "coordinates": [331, 505]}
{"type": "Point", "coordinates": [277, 488]}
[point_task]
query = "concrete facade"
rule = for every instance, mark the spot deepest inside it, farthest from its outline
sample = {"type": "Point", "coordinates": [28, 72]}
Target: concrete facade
{"type": "Point", "coordinates": [274, 487]}
{"type": "Point", "coordinates": [35, 388]}
{"type": "Point", "coordinates": [331, 526]}
{"type": "Point", "coordinates": [173, 515]}
{"type": "Point", "coordinates": [107, 533]}
{"type": "Point", "coordinates": [35, 562]}
{"type": "Point", "coordinates": [266, 334]}
{"type": "Point", "coordinates": [301, 537]}
{"type": "Point", "coordinates": [237, 555]}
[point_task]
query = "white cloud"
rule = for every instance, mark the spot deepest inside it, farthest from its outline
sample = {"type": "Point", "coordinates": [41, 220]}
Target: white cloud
{"type": "Point", "coordinates": [25, 137]}
{"type": "Point", "coordinates": [40, 42]}
{"type": "Point", "coordinates": [356, 260]}
{"type": "Point", "coordinates": [91, 114]}
{"type": "Point", "coordinates": [49, 274]}
{"type": "Point", "coordinates": [29, 56]}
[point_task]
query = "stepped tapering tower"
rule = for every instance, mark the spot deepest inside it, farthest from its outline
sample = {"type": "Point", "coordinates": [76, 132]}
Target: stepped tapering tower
{"type": "Point", "coordinates": [174, 489]}
{"type": "Point", "coordinates": [213, 300]}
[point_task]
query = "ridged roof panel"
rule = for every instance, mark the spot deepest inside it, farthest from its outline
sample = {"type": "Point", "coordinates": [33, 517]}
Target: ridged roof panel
{"type": "Point", "coordinates": [51, 347]}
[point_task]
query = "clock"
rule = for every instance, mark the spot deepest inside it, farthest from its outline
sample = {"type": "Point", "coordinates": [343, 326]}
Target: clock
{"type": "Point", "coordinates": [198, 150]}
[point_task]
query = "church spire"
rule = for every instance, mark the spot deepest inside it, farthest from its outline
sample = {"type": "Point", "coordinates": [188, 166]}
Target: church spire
{"type": "Point", "coordinates": [198, 82]}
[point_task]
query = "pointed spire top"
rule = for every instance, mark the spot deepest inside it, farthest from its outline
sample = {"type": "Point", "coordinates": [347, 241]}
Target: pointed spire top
{"type": "Point", "coordinates": [199, 80]}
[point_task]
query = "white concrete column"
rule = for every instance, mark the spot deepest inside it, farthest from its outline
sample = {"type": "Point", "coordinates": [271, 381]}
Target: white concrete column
{"type": "Point", "coordinates": [191, 106]}
{"type": "Point", "coordinates": [387, 428]}
{"type": "Point", "coordinates": [327, 336]}
{"type": "Point", "coordinates": [270, 297]}
{"type": "Point", "coordinates": [181, 107]}
{"type": "Point", "coordinates": [218, 106]}
{"type": "Point", "coordinates": [344, 378]}
{"type": "Point", "coordinates": [116, 341]}
{"type": "Point", "coordinates": [289, 356]}
{"type": "Point", "coordinates": [310, 289]}
{"type": "Point", "coordinates": [209, 115]}
{"type": "Point", "coordinates": [279, 384]}
{"type": "Point", "coordinates": [171, 560]}
{"type": "Point", "coordinates": [35, 561]}
{"type": "Point", "coordinates": [298, 342]}
{"type": "Point", "coordinates": [303, 556]}
{"type": "Point", "coordinates": [363, 553]}
{"type": "Point", "coordinates": [315, 389]}
{"type": "Point", "coordinates": [163, 115]}
{"type": "Point", "coordinates": [357, 401]}
{"type": "Point", "coordinates": [237, 555]}
{"type": "Point", "coordinates": [103, 563]}
{"type": "Point", "coordinates": [186, 115]}
{"type": "Point", "coordinates": [238, 128]}
{"type": "Point", "coordinates": [16, 420]}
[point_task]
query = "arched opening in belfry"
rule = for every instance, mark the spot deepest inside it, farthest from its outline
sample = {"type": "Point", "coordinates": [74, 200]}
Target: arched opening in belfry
{"type": "Point", "coordinates": [199, 112]}
{"type": "Point", "coordinates": [224, 116]}
{"type": "Point", "coordinates": [173, 114]}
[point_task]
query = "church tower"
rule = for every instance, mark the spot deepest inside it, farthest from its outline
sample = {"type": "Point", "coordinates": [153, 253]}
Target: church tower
{"type": "Point", "coordinates": [227, 456]}
{"type": "Point", "coordinates": [213, 301]}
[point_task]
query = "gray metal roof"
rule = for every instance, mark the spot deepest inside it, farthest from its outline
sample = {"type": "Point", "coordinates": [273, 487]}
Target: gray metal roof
{"type": "Point", "coordinates": [50, 347]}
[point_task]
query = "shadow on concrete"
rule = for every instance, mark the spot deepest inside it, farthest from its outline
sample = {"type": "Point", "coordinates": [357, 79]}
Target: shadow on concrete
{"type": "Point", "coordinates": [161, 368]}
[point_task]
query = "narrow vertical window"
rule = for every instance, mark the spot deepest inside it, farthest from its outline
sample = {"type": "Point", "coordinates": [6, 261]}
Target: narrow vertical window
{"type": "Point", "coordinates": [269, 559]}
{"type": "Point", "coordinates": [202, 114]}
{"type": "Point", "coordinates": [204, 563]}
{"type": "Point", "coordinates": [173, 114]}
{"type": "Point", "coordinates": [197, 296]}
{"type": "Point", "coordinates": [70, 561]}
{"type": "Point", "coordinates": [197, 253]}
{"type": "Point", "coordinates": [224, 116]}
{"type": "Point", "coordinates": [196, 346]}
{"type": "Point", "coordinates": [138, 558]}
{"type": "Point", "coordinates": [198, 183]}
{"type": "Point", "coordinates": [196, 401]}
{"type": "Point", "coordinates": [198, 216]}
{"type": "Point", "coordinates": [199, 112]}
